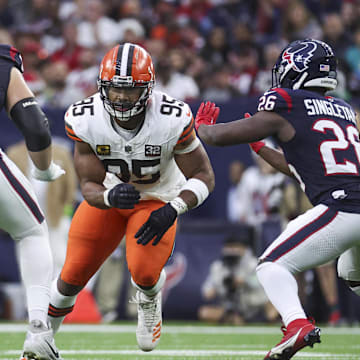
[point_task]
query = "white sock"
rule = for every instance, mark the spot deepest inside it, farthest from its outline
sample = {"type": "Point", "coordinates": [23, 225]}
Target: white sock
{"type": "Point", "coordinates": [59, 301]}
{"type": "Point", "coordinates": [36, 268]}
{"type": "Point", "coordinates": [281, 288]}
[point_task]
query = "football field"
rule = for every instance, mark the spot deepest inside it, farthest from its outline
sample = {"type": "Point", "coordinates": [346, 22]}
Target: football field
{"type": "Point", "coordinates": [180, 342]}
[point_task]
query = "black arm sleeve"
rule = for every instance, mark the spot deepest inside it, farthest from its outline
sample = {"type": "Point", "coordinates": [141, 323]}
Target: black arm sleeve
{"type": "Point", "coordinates": [33, 123]}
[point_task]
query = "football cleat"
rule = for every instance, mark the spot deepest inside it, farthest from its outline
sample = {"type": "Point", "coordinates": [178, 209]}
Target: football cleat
{"type": "Point", "coordinates": [39, 343]}
{"type": "Point", "coordinates": [298, 334]}
{"type": "Point", "coordinates": [148, 330]}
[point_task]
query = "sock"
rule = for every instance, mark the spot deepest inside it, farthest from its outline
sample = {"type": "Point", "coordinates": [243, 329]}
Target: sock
{"type": "Point", "coordinates": [60, 306]}
{"type": "Point", "coordinates": [36, 268]}
{"type": "Point", "coordinates": [151, 292]}
{"type": "Point", "coordinates": [281, 288]}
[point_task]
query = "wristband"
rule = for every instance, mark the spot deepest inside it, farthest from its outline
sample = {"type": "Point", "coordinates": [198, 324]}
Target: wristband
{"type": "Point", "coordinates": [106, 197]}
{"type": "Point", "coordinates": [199, 188]}
{"type": "Point", "coordinates": [179, 205]}
{"type": "Point", "coordinates": [257, 145]}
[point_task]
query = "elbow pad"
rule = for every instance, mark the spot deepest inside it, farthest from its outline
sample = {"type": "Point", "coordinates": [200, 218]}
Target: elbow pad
{"type": "Point", "coordinates": [33, 124]}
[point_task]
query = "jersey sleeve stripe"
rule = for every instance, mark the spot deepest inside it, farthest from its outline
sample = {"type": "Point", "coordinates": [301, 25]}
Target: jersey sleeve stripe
{"type": "Point", "coordinates": [69, 129]}
{"type": "Point", "coordinates": [285, 96]}
{"type": "Point", "coordinates": [187, 129]}
{"type": "Point", "coordinates": [183, 139]}
{"type": "Point", "coordinates": [74, 138]}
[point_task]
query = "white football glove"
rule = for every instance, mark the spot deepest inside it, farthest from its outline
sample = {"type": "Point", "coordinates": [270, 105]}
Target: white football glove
{"type": "Point", "coordinates": [53, 172]}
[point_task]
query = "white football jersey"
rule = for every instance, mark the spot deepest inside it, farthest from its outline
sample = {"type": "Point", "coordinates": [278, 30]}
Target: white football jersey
{"type": "Point", "coordinates": [146, 160]}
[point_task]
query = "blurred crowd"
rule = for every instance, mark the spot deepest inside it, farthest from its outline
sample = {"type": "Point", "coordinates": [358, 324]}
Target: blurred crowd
{"type": "Point", "coordinates": [202, 49]}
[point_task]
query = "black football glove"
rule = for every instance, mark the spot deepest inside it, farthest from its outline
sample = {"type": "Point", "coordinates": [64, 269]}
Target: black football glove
{"type": "Point", "coordinates": [123, 196]}
{"type": "Point", "coordinates": [157, 225]}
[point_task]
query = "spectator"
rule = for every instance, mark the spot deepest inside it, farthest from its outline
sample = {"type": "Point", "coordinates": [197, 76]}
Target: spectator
{"type": "Point", "coordinates": [84, 78]}
{"type": "Point", "coordinates": [218, 86]}
{"type": "Point", "coordinates": [216, 48]}
{"type": "Point", "coordinates": [177, 85]}
{"type": "Point", "coordinates": [96, 30]}
{"type": "Point", "coordinates": [236, 170]}
{"type": "Point", "coordinates": [56, 94]}
{"type": "Point", "coordinates": [299, 23]}
{"type": "Point", "coordinates": [71, 50]}
{"type": "Point", "coordinates": [335, 35]}
{"type": "Point", "coordinates": [245, 67]}
{"type": "Point", "coordinates": [232, 284]}
{"type": "Point", "coordinates": [263, 79]}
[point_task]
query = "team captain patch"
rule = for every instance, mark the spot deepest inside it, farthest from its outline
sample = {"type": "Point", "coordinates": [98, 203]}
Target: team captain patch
{"type": "Point", "coordinates": [103, 149]}
{"type": "Point", "coordinates": [152, 150]}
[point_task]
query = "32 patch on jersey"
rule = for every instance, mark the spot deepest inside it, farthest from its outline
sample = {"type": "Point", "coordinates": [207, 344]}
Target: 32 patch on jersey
{"type": "Point", "coordinates": [152, 150]}
{"type": "Point", "coordinates": [103, 149]}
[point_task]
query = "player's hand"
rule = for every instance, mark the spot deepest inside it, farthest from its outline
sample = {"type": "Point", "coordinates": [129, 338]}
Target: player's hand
{"type": "Point", "coordinates": [207, 114]}
{"type": "Point", "coordinates": [156, 225]}
{"type": "Point", "coordinates": [122, 196]}
{"type": "Point", "coordinates": [53, 172]}
{"type": "Point", "coordinates": [256, 145]}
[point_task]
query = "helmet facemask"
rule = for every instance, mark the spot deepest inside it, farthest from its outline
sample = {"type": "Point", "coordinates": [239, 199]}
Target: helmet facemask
{"type": "Point", "coordinates": [124, 111]}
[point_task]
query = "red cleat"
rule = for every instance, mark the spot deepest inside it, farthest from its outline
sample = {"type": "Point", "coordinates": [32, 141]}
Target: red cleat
{"type": "Point", "coordinates": [297, 335]}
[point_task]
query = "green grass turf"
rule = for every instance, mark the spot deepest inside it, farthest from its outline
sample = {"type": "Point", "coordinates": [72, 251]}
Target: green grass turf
{"type": "Point", "coordinates": [180, 342]}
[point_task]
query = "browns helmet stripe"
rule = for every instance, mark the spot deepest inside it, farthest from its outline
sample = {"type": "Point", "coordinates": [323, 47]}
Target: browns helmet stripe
{"type": "Point", "coordinates": [118, 59]}
{"type": "Point", "coordinates": [124, 59]}
{"type": "Point", "coordinates": [130, 58]}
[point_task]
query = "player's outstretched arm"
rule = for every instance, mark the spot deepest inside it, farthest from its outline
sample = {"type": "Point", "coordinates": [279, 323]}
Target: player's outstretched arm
{"type": "Point", "coordinates": [272, 156]}
{"type": "Point", "coordinates": [255, 128]}
{"type": "Point", "coordinates": [32, 122]}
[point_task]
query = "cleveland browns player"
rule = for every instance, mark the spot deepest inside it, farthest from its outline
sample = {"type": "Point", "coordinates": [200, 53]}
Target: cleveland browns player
{"type": "Point", "coordinates": [140, 166]}
{"type": "Point", "coordinates": [320, 143]}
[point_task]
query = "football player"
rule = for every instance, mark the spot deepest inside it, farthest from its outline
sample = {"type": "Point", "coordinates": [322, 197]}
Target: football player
{"type": "Point", "coordinates": [320, 144]}
{"type": "Point", "coordinates": [20, 214]}
{"type": "Point", "coordinates": [140, 166]}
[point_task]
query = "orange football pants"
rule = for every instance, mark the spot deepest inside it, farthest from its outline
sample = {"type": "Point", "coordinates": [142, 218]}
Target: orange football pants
{"type": "Point", "coordinates": [94, 234]}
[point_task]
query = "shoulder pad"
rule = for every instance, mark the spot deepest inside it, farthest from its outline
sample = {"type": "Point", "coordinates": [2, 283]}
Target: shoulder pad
{"type": "Point", "coordinates": [276, 100]}
{"type": "Point", "coordinates": [11, 54]}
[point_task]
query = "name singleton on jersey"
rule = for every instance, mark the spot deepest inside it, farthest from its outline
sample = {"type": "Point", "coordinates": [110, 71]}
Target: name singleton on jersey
{"type": "Point", "coordinates": [323, 107]}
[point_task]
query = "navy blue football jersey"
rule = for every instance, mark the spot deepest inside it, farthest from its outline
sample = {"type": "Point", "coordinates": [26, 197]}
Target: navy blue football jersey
{"type": "Point", "coordinates": [324, 154]}
{"type": "Point", "coordinates": [9, 57]}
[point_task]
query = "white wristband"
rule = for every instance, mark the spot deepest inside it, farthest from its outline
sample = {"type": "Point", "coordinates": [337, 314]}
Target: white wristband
{"type": "Point", "coordinates": [179, 205]}
{"type": "Point", "coordinates": [199, 188]}
{"type": "Point", "coordinates": [106, 197]}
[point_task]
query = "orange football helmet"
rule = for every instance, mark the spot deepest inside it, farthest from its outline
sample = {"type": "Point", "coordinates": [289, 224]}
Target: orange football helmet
{"type": "Point", "coordinates": [126, 66]}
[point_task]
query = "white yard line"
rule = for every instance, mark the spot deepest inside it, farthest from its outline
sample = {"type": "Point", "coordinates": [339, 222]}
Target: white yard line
{"type": "Point", "coordinates": [182, 353]}
{"type": "Point", "coordinates": [179, 329]}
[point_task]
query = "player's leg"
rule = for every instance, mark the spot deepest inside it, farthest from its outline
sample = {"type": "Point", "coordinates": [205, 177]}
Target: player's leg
{"type": "Point", "coordinates": [93, 236]}
{"type": "Point", "coordinates": [22, 218]}
{"type": "Point", "coordinates": [348, 268]}
{"type": "Point", "coordinates": [312, 239]}
{"type": "Point", "coordinates": [146, 266]}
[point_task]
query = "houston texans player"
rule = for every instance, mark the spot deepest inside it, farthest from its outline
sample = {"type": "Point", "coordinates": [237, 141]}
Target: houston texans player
{"type": "Point", "coordinates": [140, 165]}
{"type": "Point", "coordinates": [321, 149]}
{"type": "Point", "coordinates": [20, 214]}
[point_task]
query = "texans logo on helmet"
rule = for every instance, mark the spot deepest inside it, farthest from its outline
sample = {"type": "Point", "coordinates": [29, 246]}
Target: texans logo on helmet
{"type": "Point", "coordinates": [299, 58]}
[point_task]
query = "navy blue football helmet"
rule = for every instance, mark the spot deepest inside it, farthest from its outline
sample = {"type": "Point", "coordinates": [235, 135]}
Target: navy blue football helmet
{"type": "Point", "coordinates": [305, 64]}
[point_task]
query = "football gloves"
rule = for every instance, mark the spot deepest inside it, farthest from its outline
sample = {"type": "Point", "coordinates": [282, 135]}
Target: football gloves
{"type": "Point", "coordinates": [207, 114]}
{"type": "Point", "coordinates": [123, 196]}
{"type": "Point", "coordinates": [158, 223]}
{"type": "Point", "coordinates": [53, 172]}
